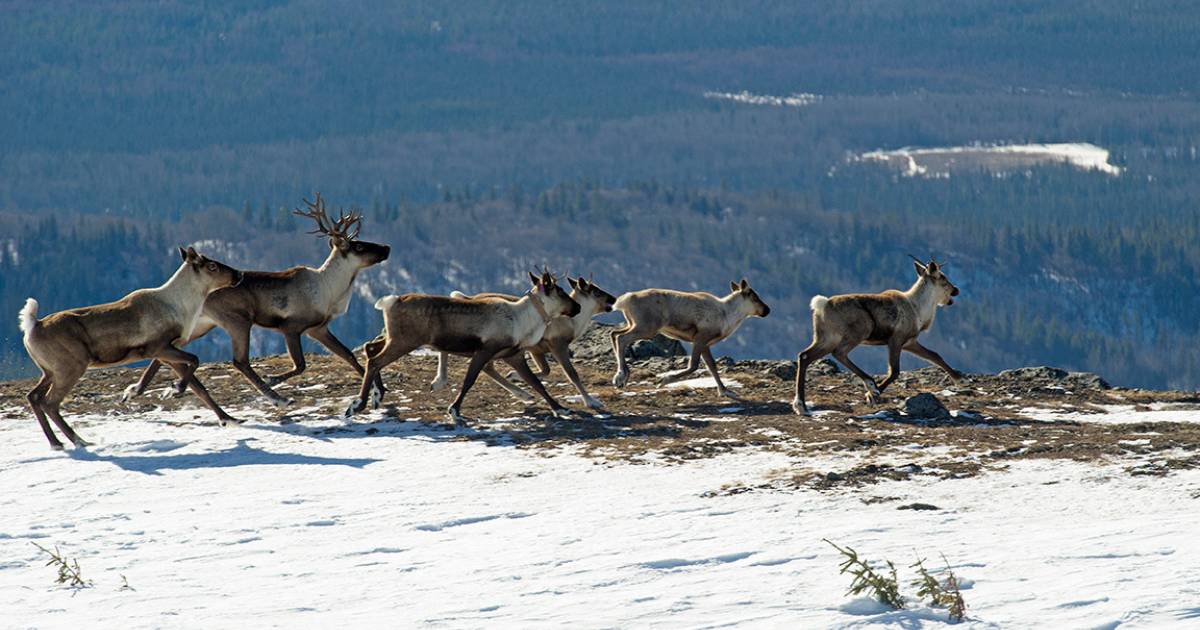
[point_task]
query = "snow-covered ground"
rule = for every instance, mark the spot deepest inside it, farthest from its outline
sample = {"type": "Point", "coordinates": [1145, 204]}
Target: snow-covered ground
{"type": "Point", "coordinates": [370, 524]}
{"type": "Point", "coordinates": [939, 162]}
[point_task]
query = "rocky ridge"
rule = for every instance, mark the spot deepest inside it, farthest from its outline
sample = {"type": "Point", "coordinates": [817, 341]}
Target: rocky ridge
{"type": "Point", "coordinates": [924, 426]}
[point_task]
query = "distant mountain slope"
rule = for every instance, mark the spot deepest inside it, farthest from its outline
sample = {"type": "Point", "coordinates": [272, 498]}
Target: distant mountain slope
{"type": "Point", "coordinates": [1117, 301]}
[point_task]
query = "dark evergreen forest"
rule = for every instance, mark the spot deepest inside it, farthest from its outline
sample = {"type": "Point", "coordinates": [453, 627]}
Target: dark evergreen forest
{"type": "Point", "coordinates": [483, 137]}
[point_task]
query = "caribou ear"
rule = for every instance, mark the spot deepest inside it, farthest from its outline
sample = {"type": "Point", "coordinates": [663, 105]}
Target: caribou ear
{"type": "Point", "coordinates": [192, 256]}
{"type": "Point", "coordinates": [933, 267]}
{"type": "Point", "coordinates": [745, 285]}
{"type": "Point", "coordinates": [733, 286]}
{"type": "Point", "coordinates": [574, 284]}
{"type": "Point", "coordinates": [534, 279]}
{"type": "Point", "coordinates": [920, 269]}
{"type": "Point", "coordinates": [182, 254]}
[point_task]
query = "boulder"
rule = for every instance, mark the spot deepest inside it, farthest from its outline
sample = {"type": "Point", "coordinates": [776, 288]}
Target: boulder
{"type": "Point", "coordinates": [1046, 373]}
{"type": "Point", "coordinates": [925, 406]}
{"type": "Point", "coordinates": [596, 342]}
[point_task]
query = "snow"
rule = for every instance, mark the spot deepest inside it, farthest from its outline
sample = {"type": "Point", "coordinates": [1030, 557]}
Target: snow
{"type": "Point", "coordinates": [795, 100]}
{"type": "Point", "coordinates": [324, 522]}
{"type": "Point", "coordinates": [1079, 154]}
{"type": "Point", "coordinates": [1117, 414]}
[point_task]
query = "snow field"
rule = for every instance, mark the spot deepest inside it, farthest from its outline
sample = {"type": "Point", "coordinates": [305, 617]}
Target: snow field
{"type": "Point", "coordinates": [329, 523]}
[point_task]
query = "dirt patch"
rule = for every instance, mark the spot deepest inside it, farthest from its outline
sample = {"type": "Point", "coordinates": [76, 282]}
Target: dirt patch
{"type": "Point", "coordinates": [990, 420]}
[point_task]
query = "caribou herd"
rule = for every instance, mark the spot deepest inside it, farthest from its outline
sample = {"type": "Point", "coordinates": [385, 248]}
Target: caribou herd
{"type": "Point", "coordinates": [204, 294]}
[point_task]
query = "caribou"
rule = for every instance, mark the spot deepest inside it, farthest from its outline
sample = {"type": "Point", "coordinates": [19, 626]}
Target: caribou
{"type": "Point", "coordinates": [145, 324]}
{"type": "Point", "coordinates": [557, 341]}
{"type": "Point", "coordinates": [295, 302]}
{"type": "Point", "coordinates": [481, 328]}
{"type": "Point", "coordinates": [892, 318]}
{"type": "Point", "coordinates": [699, 318]}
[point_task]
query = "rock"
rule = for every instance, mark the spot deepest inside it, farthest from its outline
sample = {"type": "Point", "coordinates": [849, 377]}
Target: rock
{"type": "Point", "coordinates": [918, 506]}
{"type": "Point", "coordinates": [823, 367]}
{"type": "Point", "coordinates": [596, 342]}
{"type": "Point", "coordinates": [925, 407]}
{"type": "Point", "coordinates": [1045, 373]}
{"type": "Point", "coordinates": [1087, 379]}
{"type": "Point", "coordinates": [927, 375]}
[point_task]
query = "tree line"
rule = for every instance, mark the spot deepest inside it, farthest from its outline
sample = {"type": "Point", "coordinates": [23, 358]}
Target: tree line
{"type": "Point", "coordinates": [1115, 299]}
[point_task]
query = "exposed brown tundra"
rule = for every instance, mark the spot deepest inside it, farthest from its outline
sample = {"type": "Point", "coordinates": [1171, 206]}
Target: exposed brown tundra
{"type": "Point", "coordinates": [892, 318]}
{"type": "Point", "coordinates": [145, 324]}
{"type": "Point", "coordinates": [299, 301]}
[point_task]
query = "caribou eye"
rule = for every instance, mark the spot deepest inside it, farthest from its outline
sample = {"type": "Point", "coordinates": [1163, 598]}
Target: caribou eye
{"type": "Point", "coordinates": [358, 247]}
{"type": "Point", "coordinates": [212, 266]}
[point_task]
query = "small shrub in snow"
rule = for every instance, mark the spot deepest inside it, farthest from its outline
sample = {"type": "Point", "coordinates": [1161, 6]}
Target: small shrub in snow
{"type": "Point", "coordinates": [943, 593]}
{"type": "Point", "coordinates": [68, 571]}
{"type": "Point", "coordinates": [881, 587]}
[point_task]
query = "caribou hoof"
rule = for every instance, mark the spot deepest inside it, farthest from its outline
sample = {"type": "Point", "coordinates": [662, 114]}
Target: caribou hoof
{"type": "Point", "coordinates": [728, 394]}
{"type": "Point", "coordinates": [455, 416]}
{"type": "Point", "coordinates": [592, 402]}
{"type": "Point", "coordinates": [230, 422]}
{"type": "Point", "coordinates": [356, 406]}
{"type": "Point", "coordinates": [563, 412]}
{"type": "Point", "coordinates": [129, 393]}
{"type": "Point", "coordinates": [170, 392]}
{"type": "Point", "coordinates": [376, 397]}
{"type": "Point", "coordinates": [620, 379]}
{"type": "Point", "coordinates": [800, 408]}
{"type": "Point", "coordinates": [278, 400]}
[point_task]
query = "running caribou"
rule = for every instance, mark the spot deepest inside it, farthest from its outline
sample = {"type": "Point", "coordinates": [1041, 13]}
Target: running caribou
{"type": "Point", "coordinates": [557, 341]}
{"type": "Point", "coordinates": [299, 301]}
{"type": "Point", "coordinates": [481, 328]}
{"type": "Point", "coordinates": [699, 318]}
{"type": "Point", "coordinates": [892, 318]}
{"type": "Point", "coordinates": [145, 324]}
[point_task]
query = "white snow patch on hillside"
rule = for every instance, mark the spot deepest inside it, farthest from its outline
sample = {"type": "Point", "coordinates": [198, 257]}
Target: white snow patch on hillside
{"type": "Point", "coordinates": [329, 523]}
{"type": "Point", "coordinates": [795, 100]}
{"type": "Point", "coordinates": [940, 162]}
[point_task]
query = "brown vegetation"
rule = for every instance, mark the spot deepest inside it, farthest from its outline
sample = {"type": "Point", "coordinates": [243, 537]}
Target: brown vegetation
{"type": "Point", "coordinates": [990, 423]}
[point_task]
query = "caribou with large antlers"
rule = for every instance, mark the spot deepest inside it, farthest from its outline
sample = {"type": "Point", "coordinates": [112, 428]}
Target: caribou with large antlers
{"type": "Point", "coordinates": [145, 324]}
{"type": "Point", "coordinates": [892, 318]}
{"type": "Point", "coordinates": [481, 328]}
{"type": "Point", "coordinates": [299, 301]}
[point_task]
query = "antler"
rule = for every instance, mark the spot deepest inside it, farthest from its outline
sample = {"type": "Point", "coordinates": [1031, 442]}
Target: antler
{"type": "Point", "coordinates": [335, 228]}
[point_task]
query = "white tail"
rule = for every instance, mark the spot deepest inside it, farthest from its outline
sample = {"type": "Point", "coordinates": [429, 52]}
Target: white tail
{"type": "Point", "coordinates": [818, 303]}
{"type": "Point", "coordinates": [29, 317]}
{"type": "Point", "coordinates": [385, 302]}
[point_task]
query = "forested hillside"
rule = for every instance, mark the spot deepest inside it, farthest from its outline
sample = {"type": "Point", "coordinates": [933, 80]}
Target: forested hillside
{"type": "Point", "coordinates": [483, 137]}
{"type": "Point", "coordinates": [1099, 297]}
